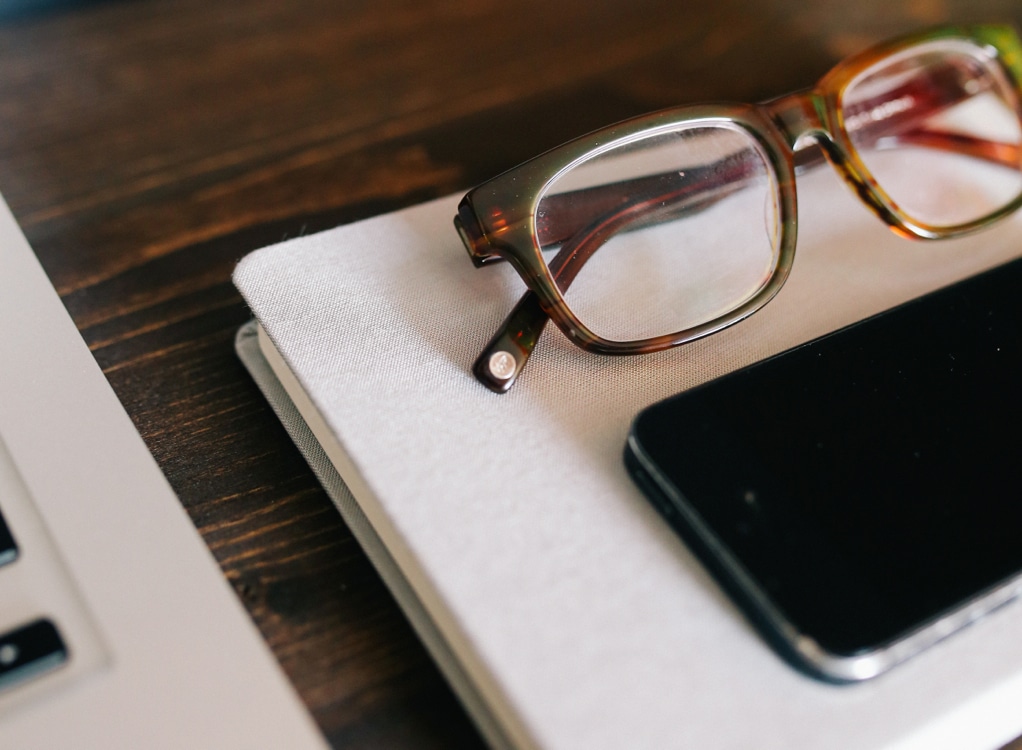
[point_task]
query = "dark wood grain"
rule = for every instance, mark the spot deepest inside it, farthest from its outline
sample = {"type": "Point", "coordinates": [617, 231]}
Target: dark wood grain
{"type": "Point", "coordinates": [147, 146]}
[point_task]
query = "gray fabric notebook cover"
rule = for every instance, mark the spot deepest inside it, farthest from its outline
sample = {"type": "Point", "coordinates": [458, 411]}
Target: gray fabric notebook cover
{"type": "Point", "coordinates": [579, 618]}
{"type": "Point", "coordinates": [247, 346]}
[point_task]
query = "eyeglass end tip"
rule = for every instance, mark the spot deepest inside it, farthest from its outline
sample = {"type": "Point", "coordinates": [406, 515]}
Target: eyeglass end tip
{"type": "Point", "coordinates": [497, 370]}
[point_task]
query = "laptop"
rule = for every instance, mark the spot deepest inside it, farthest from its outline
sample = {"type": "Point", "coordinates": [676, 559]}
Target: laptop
{"type": "Point", "coordinates": [117, 627]}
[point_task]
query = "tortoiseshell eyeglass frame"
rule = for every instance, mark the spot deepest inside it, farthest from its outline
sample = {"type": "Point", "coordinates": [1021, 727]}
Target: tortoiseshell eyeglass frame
{"type": "Point", "coordinates": [497, 220]}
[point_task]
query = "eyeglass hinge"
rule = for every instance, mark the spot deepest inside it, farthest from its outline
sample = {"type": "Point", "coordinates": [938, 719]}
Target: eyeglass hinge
{"type": "Point", "coordinates": [472, 237]}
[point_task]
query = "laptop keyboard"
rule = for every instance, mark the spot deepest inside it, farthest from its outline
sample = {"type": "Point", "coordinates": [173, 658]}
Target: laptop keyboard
{"type": "Point", "coordinates": [46, 636]}
{"type": "Point", "coordinates": [30, 650]}
{"type": "Point", "coordinates": [8, 549]}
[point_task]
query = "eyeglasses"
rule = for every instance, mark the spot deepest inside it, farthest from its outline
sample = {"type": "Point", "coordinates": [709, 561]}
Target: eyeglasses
{"type": "Point", "coordinates": [671, 226]}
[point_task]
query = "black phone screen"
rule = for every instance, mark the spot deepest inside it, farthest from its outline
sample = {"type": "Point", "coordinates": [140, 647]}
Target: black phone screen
{"type": "Point", "coordinates": [869, 481]}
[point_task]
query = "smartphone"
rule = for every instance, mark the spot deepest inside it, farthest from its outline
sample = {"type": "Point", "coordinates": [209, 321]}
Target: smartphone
{"type": "Point", "coordinates": [859, 496]}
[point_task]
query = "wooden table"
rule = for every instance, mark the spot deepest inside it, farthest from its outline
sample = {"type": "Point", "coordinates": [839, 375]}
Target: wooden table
{"type": "Point", "coordinates": [146, 146]}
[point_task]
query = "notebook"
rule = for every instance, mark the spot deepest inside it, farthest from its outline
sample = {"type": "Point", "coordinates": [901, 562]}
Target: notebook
{"type": "Point", "coordinates": [562, 609]}
{"type": "Point", "coordinates": [117, 628]}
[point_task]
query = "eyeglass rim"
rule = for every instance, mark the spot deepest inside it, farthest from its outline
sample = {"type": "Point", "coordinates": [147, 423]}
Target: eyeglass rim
{"type": "Point", "coordinates": [1003, 40]}
{"type": "Point", "coordinates": [516, 242]}
{"type": "Point", "coordinates": [509, 201]}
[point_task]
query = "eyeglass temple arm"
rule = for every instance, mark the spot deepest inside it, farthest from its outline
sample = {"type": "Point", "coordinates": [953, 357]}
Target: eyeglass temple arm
{"type": "Point", "coordinates": [925, 96]}
{"type": "Point", "coordinates": [503, 358]}
{"type": "Point", "coordinates": [995, 152]}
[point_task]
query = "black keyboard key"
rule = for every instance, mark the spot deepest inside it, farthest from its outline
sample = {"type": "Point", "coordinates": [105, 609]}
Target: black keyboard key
{"type": "Point", "coordinates": [8, 549]}
{"type": "Point", "coordinates": [29, 651]}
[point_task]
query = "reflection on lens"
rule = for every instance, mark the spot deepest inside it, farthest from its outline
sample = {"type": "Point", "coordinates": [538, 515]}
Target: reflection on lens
{"type": "Point", "coordinates": [659, 234]}
{"type": "Point", "coordinates": [938, 129]}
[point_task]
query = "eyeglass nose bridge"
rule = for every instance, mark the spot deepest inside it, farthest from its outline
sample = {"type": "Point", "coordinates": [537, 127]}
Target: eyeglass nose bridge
{"type": "Point", "coordinates": [805, 120]}
{"type": "Point", "coordinates": [801, 118]}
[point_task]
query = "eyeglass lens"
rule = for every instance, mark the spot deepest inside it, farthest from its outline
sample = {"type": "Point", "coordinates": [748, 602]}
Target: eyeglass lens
{"type": "Point", "coordinates": [653, 236]}
{"type": "Point", "coordinates": [938, 128]}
